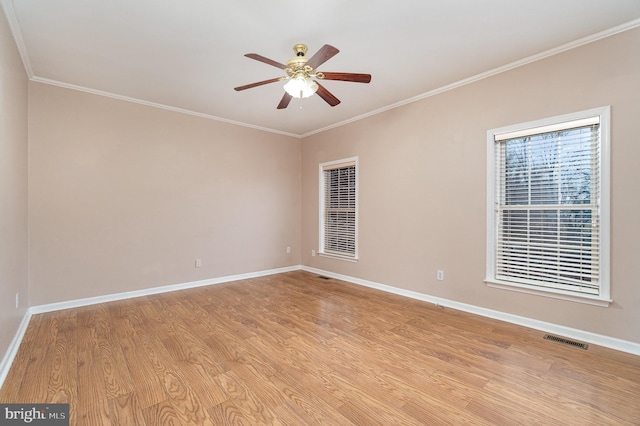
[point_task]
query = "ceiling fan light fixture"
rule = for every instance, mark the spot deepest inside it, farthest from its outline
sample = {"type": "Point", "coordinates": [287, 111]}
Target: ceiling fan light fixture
{"type": "Point", "coordinates": [301, 86]}
{"type": "Point", "coordinates": [301, 73]}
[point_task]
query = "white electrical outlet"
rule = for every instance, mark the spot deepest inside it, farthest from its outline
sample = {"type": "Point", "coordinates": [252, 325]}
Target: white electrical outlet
{"type": "Point", "coordinates": [198, 263]}
{"type": "Point", "coordinates": [313, 252]}
{"type": "Point", "coordinates": [440, 275]}
{"type": "Point", "coordinates": [17, 300]}
{"type": "Point", "coordinates": [288, 249]}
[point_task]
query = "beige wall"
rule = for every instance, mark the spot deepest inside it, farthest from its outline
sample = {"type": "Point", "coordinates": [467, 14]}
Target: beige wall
{"type": "Point", "coordinates": [13, 187]}
{"type": "Point", "coordinates": [125, 197]}
{"type": "Point", "coordinates": [423, 183]}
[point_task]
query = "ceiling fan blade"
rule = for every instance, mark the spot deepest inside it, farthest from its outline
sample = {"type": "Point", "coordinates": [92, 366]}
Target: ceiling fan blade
{"type": "Point", "coordinates": [347, 76]}
{"type": "Point", "coordinates": [326, 95]}
{"type": "Point", "coordinates": [259, 83]}
{"type": "Point", "coordinates": [284, 102]}
{"type": "Point", "coordinates": [325, 53]}
{"type": "Point", "coordinates": [265, 60]}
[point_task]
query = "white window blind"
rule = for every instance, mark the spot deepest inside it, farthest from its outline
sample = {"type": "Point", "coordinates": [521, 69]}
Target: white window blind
{"type": "Point", "coordinates": [339, 209]}
{"type": "Point", "coordinates": [547, 207]}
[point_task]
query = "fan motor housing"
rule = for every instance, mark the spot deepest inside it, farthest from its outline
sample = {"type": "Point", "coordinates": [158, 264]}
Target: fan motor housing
{"type": "Point", "coordinates": [298, 62]}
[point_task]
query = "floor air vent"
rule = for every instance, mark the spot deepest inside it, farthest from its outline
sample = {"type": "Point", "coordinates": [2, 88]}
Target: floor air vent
{"type": "Point", "coordinates": [566, 341]}
{"type": "Point", "coordinates": [322, 277]}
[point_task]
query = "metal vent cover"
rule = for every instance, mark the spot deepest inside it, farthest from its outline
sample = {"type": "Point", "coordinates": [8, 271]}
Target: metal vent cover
{"type": "Point", "coordinates": [566, 341]}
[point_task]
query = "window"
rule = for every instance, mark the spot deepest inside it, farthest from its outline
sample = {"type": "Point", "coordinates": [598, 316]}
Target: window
{"type": "Point", "coordinates": [548, 207]}
{"type": "Point", "coordinates": [339, 209]}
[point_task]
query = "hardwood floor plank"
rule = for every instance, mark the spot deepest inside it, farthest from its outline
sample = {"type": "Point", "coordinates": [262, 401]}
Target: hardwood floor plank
{"type": "Point", "coordinates": [179, 350]}
{"type": "Point", "coordinates": [493, 414]}
{"type": "Point", "coordinates": [64, 371]}
{"type": "Point", "coordinates": [187, 405]}
{"type": "Point", "coordinates": [47, 331]}
{"type": "Point", "coordinates": [294, 349]}
{"type": "Point", "coordinates": [261, 385]}
{"type": "Point", "coordinates": [156, 320]}
{"type": "Point", "coordinates": [92, 404]}
{"type": "Point", "coordinates": [607, 398]}
{"type": "Point", "coordinates": [116, 376]}
{"type": "Point", "coordinates": [288, 415]}
{"type": "Point", "coordinates": [435, 414]}
{"type": "Point", "coordinates": [225, 350]}
{"type": "Point", "coordinates": [226, 413]}
{"type": "Point", "coordinates": [220, 320]}
{"type": "Point", "coordinates": [37, 373]}
{"type": "Point", "coordinates": [246, 400]}
{"type": "Point", "coordinates": [161, 413]}
{"type": "Point", "coordinates": [124, 410]}
{"type": "Point", "coordinates": [307, 402]}
{"type": "Point", "coordinates": [293, 374]}
{"type": "Point", "coordinates": [189, 349]}
{"type": "Point", "coordinates": [427, 390]}
{"type": "Point", "coordinates": [203, 384]}
{"type": "Point", "coordinates": [146, 383]}
{"type": "Point", "coordinates": [87, 333]}
{"type": "Point", "coordinates": [361, 413]}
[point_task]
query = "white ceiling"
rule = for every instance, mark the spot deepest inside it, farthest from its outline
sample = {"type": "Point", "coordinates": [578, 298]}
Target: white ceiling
{"type": "Point", "coordinates": [189, 54]}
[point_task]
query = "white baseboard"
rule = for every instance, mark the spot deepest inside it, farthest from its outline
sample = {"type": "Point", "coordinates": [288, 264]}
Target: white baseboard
{"type": "Point", "coordinates": [155, 290]}
{"type": "Point", "coordinates": [12, 351]}
{"type": "Point", "coordinates": [585, 336]}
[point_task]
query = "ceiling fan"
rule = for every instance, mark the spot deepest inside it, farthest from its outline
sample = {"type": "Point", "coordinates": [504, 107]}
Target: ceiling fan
{"type": "Point", "coordinates": [302, 75]}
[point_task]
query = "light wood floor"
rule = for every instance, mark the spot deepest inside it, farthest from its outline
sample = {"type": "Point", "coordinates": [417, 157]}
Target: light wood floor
{"type": "Point", "coordinates": [294, 349]}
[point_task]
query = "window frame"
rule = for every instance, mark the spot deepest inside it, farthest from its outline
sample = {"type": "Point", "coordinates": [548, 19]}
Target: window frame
{"type": "Point", "coordinates": [531, 128]}
{"type": "Point", "coordinates": [330, 165]}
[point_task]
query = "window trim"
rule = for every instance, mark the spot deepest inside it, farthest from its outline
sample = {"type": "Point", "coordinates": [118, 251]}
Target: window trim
{"type": "Point", "coordinates": [336, 164]}
{"type": "Point", "coordinates": [494, 135]}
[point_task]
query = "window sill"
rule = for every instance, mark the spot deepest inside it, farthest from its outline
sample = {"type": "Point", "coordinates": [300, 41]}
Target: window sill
{"type": "Point", "coordinates": [552, 293]}
{"type": "Point", "coordinates": [337, 256]}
